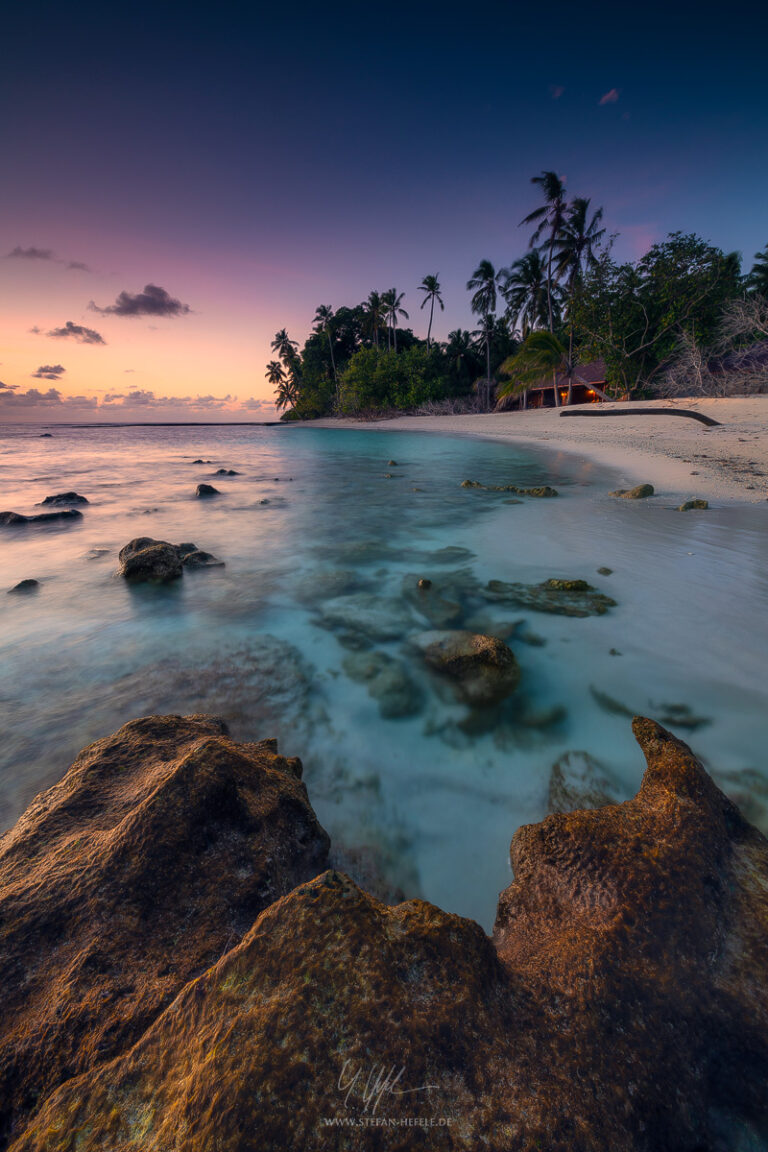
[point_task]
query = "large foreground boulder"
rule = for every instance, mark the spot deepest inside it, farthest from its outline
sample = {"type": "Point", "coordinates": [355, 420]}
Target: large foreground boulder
{"type": "Point", "coordinates": [130, 877]}
{"type": "Point", "coordinates": [622, 1005]}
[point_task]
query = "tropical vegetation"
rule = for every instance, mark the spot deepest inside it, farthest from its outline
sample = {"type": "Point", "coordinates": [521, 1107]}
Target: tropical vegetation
{"type": "Point", "coordinates": [565, 302]}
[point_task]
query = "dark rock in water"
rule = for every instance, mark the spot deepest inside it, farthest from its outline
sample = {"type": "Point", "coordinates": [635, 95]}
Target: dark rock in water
{"type": "Point", "coordinates": [46, 435]}
{"type": "Point", "coordinates": [560, 597]}
{"type": "Point", "coordinates": [226, 472]}
{"type": "Point", "coordinates": [204, 490]}
{"type": "Point", "coordinates": [202, 461]}
{"type": "Point", "coordinates": [425, 583]}
{"type": "Point", "coordinates": [577, 780]}
{"type": "Point", "coordinates": [14, 518]}
{"type": "Point", "coordinates": [621, 1006]}
{"type": "Point", "coordinates": [609, 704]}
{"type": "Point", "coordinates": [605, 571]}
{"type": "Point", "coordinates": [482, 668]}
{"type": "Point", "coordinates": [640, 492]}
{"type": "Point", "coordinates": [25, 586]}
{"type": "Point", "coordinates": [200, 559]}
{"type": "Point", "coordinates": [158, 562]}
{"type": "Point", "coordinates": [153, 561]}
{"type": "Point", "coordinates": [65, 500]}
{"type": "Point", "coordinates": [128, 879]}
{"type": "Point", "coordinates": [391, 463]}
{"type": "Point", "coordinates": [543, 490]}
{"type": "Point", "coordinates": [694, 506]}
{"type": "Point", "coordinates": [432, 601]}
{"type": "Point", "coordinates": [388, 681]}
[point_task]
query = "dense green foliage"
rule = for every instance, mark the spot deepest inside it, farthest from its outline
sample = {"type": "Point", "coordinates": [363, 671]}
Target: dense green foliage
{"type": "Point", "coordinates": [564, 303]}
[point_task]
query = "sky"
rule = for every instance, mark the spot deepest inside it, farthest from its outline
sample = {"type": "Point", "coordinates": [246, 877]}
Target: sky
{"type": "Point", "coordinates": [179, 181]}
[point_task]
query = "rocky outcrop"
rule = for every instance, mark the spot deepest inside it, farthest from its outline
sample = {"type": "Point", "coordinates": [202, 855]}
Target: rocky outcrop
{"type": "Point", "coordinates": [640, 492]}
{"type": "Point", "coordinates": [150, 859]}
{"type": "Point", "coordinates": [226, 472]}
{"type": "Point", "coordinates": [26, 586]}
{"type": "Point", "coordinates": [12, 519]}
{"type": "Point", "coordinates": [205, 490]}
{"type": "Point", "coordinates": [482, 668]}
{"type": "Point", "coordinates": [621, 1007]}
{"type": "Point", "coordinates": [158, 562]}
{"type": "Point", "coordinates": [560, 597]}
{"type": "Point", "coordinates": [64, 500]}
{"type": "Point", "coordinates": [694, 506]}
{"type": "Point", "coordinates": [543, 490]}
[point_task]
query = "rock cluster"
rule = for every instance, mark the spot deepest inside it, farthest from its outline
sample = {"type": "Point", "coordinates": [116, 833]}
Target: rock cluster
{"type": "Point", "coordinates": [543, 490]}
{"type": "Point", "coordinates": [65, 500]}
{"type": "Point", "coordinates": [621, 1006]}
{"type": "Point", "coordinates": [560, 597]}
{"type": "Point", "coordinates": [158, 562]}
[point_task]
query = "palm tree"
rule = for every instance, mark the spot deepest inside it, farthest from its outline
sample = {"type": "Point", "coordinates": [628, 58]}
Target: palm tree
{"type": "Point", "coordinates": [540, 354]}
{"type": "Point", "coordinates": [374, 314]}
{"type": "Point", "coordinates": [430, 286]}
{"type": "Point", "coordinates": [483, 284]}
{"type": "Point", "coordinates": [458, 348]}
{"type": "Point", "coordinates": [757, 281]}
{"type": "Point", "coordinates": [525, 291]}
{"type": "Point", "coordinates": [324, 316]}
{"type": "Point", "coordinates": [548, 218]}
{"type": "Point", "coordinates": [285, 348]}
{"type": "Point", "coordinates": [275, 373]}
{"type": "Point", "coordinates": [576, 248]}
{"type": "Point", "coordinates": [392, 309]}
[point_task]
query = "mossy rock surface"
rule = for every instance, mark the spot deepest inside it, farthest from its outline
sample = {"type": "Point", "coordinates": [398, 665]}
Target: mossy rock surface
{"type": "Point", "coordinates": [694, 506]}
{"type": "Point", "coordinates": [640, 492]}
{"type": "Point", "coordinates": [557, 596]}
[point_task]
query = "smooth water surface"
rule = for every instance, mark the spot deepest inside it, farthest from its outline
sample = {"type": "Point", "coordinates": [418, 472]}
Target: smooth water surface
{"type": "Point", "coordinates": [321, 548]}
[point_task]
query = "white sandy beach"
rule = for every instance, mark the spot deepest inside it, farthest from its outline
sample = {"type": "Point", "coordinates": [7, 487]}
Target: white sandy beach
{"type": "Point", "coordinates": [680, 457]}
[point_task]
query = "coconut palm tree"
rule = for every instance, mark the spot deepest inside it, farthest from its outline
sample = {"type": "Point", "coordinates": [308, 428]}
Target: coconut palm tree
{"type": "Point", "coordinates": [324, 316]}
{"type": "Point", "coordinates": [483, 285]}
{"type": "Point", "coordinates": [576, 249]}
{"type": "Point", "coordinates": [392, 301]}
{"type": "Point", "coordinates": [374, 314]}
{"type": "Point", "coordinates": [757, 281]}
{"type": "Point", "coordinates": [430, 286]}
{"type": "Point", "coordinates": [275, 373]}
{"type": "Point", "coordinates": [525, 291]}
{"type": "Point", "coordinates": [549, 218]}
{"type": "Point", "coordinates": [541, 353]}
{"type": "Point", "coordinates": [285, 348]}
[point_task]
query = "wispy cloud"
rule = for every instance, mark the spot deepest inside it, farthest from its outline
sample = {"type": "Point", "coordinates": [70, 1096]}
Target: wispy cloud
{"type": "Point", "coordinates": [49, 372]}
{"type": "Point", "coordinates": [78, 332]}
{"type": "Point", "coordinates": [144, 398]}
{"type": "Point", "coordinates": [153, 301]}
{"type": "Point", "coordinates": [33, 253]}
{"type": "Point", "coordinates": [609, 97]}
{"type": "Point", "coordinates": [19, 253]}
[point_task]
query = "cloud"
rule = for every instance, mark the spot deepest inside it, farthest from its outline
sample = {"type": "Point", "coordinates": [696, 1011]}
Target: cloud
{"type": "Point", "coordinates": [556, 91]}
{"type": "Point", "coordinates": [8, 387]}
{"type": "Point", "coordinates": [253, 404]}
{"type": "Point", "coordinates": [35, 330]}
{"type": "Point", "coordinates": [609, 97]}
{"type": "Point", "coordinates": [49, 372]}
{"type": "Point", "coordinates": [153, 301]}
{"type": "Point", "coordinates": [79, 332]}
{"type": "Point", "coordinates": [144, 398]}
{"type": "Point", "coordinates": [32, 253]}
{"type": "Point", "coordinates": [34, 398]}
{"type": "Point", "coordinates": [20, 253]}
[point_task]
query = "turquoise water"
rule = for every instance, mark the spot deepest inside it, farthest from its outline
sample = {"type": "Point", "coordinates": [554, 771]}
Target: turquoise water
{"type": "Point", "coordinates": [430, 799]}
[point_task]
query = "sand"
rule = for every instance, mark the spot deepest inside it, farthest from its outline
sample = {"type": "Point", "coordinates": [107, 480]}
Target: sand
{"type": "Point", "coordinates": [680, 457]}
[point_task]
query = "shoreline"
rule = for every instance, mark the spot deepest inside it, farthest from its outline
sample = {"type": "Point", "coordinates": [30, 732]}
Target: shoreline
{"type": "Point", "coordinates": [725, 464]}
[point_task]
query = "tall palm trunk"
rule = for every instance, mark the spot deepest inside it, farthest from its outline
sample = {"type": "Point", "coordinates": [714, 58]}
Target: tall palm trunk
{"type": "Point", "coordinates": [431, 313]}
{"type": "Point", "coordinates": [555, 393]}
{"type": "Point", "coordinates": [333, 363]}
{"type": "Point", "coordinates": [394, 331]}
{"type": "Point", "coordinates": [488, 372]}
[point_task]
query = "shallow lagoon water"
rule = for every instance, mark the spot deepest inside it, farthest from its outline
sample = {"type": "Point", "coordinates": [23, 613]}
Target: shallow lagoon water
{"type": "Point", "coordinates": [430, 802]}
